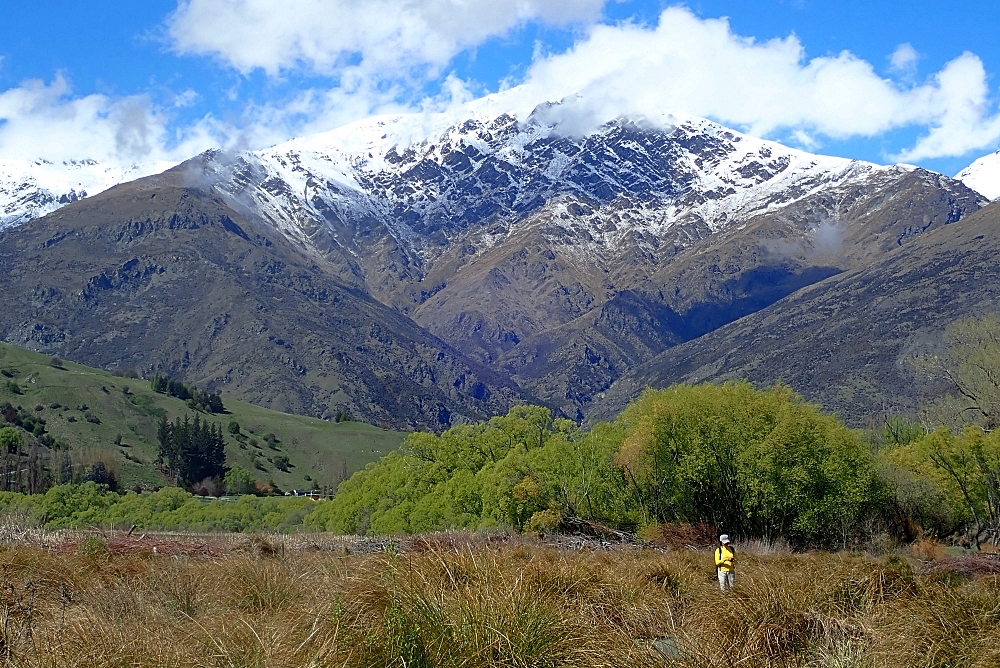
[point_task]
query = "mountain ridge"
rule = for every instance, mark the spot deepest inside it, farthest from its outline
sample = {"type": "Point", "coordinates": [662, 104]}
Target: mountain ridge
{"type": "Point", "coordinates": [168, 279]}
{"type": "Point", "coordinates": [860, 328]}
{"type": "Point", "coordinates": [32, 188]}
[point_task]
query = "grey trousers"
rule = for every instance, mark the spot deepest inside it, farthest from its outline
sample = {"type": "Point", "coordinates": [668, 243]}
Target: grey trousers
{"type": "Point", "coordinates": [726, 580]}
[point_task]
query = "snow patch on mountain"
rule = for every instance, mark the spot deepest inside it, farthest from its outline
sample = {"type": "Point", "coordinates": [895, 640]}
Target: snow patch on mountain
{"type": "Point", "coordinates": [31, 189]}
{"type": "Point", "coordinates": [435, 179]}
{"type": "Point", "coordinates": [983, 175]}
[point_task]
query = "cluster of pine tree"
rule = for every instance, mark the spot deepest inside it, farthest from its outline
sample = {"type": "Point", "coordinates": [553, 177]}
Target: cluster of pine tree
{"type": "Point", "coordinates": [191, 451]}
{"type": "Point", "coordinates": [195, 398]}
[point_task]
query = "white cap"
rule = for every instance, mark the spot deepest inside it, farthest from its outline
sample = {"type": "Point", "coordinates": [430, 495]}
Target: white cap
{"type": "Point", "coordinates": [724, 538]}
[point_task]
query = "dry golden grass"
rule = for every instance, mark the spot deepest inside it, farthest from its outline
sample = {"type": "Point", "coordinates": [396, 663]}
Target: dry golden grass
{"type": "Point", "coordinates": [463, 603]}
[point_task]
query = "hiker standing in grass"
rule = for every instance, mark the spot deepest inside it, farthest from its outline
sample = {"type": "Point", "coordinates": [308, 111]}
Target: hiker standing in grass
{"type": "Point", "coordinates": [725, 563]}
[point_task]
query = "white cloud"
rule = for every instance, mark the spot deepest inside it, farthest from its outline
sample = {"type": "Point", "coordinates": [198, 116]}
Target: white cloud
{"type": "Point", "coordinates": [964, 119]}
{"type": "Point", "coordinates": [381, 55]}
{"type": "Point", "coordinates": [45, 121]}
{"type": "Point", "coordinates": [904, 59]}
{"type": "Point", "coordinates": [697, 66]}
{"type": "Point", "coordinates": [333, 37]}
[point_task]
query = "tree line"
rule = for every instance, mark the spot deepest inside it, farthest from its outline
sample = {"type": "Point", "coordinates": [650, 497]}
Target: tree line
{"type": "Point", "coordinates": [89, 504]}
{"type": "Point", "coordinates": [755, 463]}
{"type": "Point", "coordinates": [29, 468]}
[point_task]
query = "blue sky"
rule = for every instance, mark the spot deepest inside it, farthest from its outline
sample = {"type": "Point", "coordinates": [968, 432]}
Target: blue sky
{"type": "Point", "coordinates": [920, 77]}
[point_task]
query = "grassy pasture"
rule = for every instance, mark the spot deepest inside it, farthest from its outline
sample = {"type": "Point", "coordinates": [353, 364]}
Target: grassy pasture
{"type": "Point", "coordinates": [129, 409]}
{"type": "Point", "coordinates": [454, 600]}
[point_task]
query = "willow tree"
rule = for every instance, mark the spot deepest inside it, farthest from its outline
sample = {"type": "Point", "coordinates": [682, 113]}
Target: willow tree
{"type": "Point", "coordinates": [758, 464]}
{"type": "Point", "coordinates": [963, 471]}
{"type": "Point", "coordinates": [970, 365]}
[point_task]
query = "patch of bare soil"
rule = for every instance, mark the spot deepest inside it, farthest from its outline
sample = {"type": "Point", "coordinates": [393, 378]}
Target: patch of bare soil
{"type": "Point", "coordinates": [970, 566]}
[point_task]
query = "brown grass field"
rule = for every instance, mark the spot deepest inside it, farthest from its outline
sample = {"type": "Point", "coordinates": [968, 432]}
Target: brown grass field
{"type": "Point", "coordinates": [457, 600]}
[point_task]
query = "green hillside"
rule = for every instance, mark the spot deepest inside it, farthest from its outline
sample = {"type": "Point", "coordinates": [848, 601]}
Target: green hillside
{"type": "Point", "coordinates": [97, 416]}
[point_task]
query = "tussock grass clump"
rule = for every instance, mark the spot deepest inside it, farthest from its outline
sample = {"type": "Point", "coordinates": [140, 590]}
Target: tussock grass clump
{"type": "Point", "coordinates": [469, 603]}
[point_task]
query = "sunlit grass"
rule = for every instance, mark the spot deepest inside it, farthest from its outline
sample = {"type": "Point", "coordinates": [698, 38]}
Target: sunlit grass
{"type": "Point", "coordinates": [463, 603]}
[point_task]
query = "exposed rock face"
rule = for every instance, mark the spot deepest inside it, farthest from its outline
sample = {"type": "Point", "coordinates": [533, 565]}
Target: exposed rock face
{"type": "Point", "coordinates": [169, 279]}
{"type": "Point", "coordinates": [847, 342]}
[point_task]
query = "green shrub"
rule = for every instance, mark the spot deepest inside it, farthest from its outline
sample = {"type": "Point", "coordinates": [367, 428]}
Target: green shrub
{"type": "Point", "coordinates": [94, 546]}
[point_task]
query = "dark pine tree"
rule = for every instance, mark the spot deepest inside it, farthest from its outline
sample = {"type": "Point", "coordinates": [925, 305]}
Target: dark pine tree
{"type": "Point", "coordinates": [191, 450]}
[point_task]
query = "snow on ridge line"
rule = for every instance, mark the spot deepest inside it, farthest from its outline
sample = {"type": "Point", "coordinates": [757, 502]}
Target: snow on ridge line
{"type": "Point", "coordinates": [31, 189]}
{"type": "Point", "coordinates": [983, 176]}
{"type": "Point", "coordinates": [327, 170]}
{"type": "Point", "coordinates": [377, 135]}
{"type": "Point", "coordinates": [363, 146]}
{"type": "Point", "coordinates": [339, 155]}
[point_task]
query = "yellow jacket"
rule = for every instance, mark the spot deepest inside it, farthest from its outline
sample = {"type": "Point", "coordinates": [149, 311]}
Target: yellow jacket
{"type": "Point", "coordinates": [722, 553]}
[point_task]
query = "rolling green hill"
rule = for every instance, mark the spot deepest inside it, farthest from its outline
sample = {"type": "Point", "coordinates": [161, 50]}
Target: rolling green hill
{"type": "Point", "coordinates": [97, 416]}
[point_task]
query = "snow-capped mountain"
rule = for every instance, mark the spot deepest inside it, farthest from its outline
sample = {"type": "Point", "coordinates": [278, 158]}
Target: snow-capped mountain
{"type": "Point", "coordinates": [432, 180]}
{"type": "Point", "coordinates": [29, 190]}
{"type": "Point", "coordinates": [559, 256]}
{"type": "Point", "coordinates": [517, 240]}
{"type": "Point", "coordinates": [983, 175]}
{"type": "Point", "coordinates": [433, 184]}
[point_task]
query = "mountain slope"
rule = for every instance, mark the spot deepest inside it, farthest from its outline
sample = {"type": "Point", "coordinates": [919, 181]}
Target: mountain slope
{"type": "Point", "coordinates": [567, 260]}
{"type": "Point", "coordinates": [166, 278]}
{"type": "Point", "coordinates": [846, 342]}
{"type": "Point", "coordinates": [124, 413]}
{"type": "Point", "coordinates": [728, 275]}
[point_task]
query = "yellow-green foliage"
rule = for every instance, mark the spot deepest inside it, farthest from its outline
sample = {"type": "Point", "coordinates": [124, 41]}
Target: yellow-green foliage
{"type": "Point", "coordinates": [477, 607]}
{"type": "Point", "coordinates": [971, 365]}
{"type": "Point", "coordinates": [950, 479]}
{"type": "Point", "coordinates": [756, 463]}
{"type": "Point", "coordinates": [91, 505]}
{"type": "Point", "coordinates": [478, 476]}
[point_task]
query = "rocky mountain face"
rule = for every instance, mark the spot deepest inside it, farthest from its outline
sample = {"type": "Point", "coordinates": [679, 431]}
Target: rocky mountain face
{"type": "Point", "coordinates": [564, 261]}
{"type": "Point", "coordinates": [848, 342]}
{"type": "Point", "coordinates": [166, 279]}
{"type": "Point", "coordinates": [555, 260]}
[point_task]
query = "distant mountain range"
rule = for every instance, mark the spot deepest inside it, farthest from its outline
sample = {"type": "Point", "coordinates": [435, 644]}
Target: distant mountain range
{"type": "Point", "coordinates": [29, 190]}
{"type": "Point", "coordinates": [419, 270]}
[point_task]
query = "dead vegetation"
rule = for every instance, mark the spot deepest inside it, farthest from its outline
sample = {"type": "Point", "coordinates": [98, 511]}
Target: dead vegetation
{"type": "Point", "coordinates": [460, 600]}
